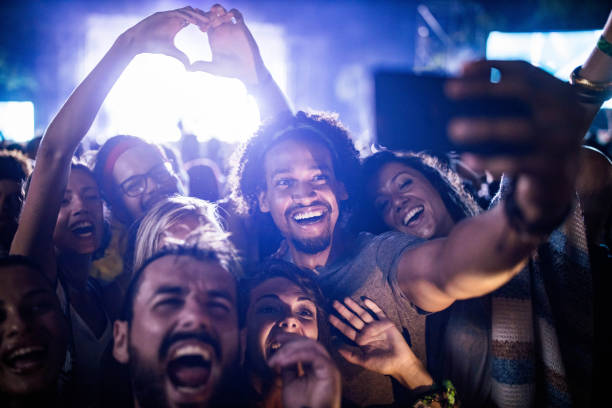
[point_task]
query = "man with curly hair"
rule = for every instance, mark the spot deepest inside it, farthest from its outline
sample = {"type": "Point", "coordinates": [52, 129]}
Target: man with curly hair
{"type": "Point", "coordinates": [300, 171]}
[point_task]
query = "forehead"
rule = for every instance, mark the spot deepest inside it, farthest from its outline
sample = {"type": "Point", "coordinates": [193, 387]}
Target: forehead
{"type": "Point", "coordinates": [297, 153]}
{"type": "Point", "coordinates": [280, 287]}
{"type": "Point", "coordinates": [136, 160]}
{"type": "Point", "coordinates": [392, 172]}
{"type": "Point", "coordinates": [18, 279]}
{"type": "Point", "coordinates": [80, 178]}
{"type": "Point", "coordinates": [187, 273]}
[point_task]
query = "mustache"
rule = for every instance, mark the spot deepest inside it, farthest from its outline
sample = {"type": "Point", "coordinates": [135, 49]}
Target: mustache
{"type": "Point", "coordinates": [300, 206]}
{"type": "Point", "coordinates": [202, 336]}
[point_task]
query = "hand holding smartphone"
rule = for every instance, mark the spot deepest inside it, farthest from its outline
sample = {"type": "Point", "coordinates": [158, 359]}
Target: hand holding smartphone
{"type": "Point", "coordinates": [413, 113]}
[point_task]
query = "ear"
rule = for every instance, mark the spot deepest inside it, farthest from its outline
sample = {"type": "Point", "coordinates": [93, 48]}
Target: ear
{"type": "Point", "coordinates": [120, 343]}
{"type": "Point", "coordinates": [341, 193]}
{"type": "Point", "coordinates": [243, 344]}
{"type": "Point", "coordinates": [262, 199]}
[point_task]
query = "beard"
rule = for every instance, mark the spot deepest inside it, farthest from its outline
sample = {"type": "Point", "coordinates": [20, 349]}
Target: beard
{"type": "Point", "coordinates": [149, 389]}
{"type": "Point", "coordinates": [312, 245]}
{"type": "Point", "coordinates": [147, 383]}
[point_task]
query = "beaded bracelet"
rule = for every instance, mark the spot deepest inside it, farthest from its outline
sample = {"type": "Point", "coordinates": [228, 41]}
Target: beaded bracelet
{"type": "Point", "coordinates": [604, 46]}
{"type": "Point", "coordinates": [441, 395]}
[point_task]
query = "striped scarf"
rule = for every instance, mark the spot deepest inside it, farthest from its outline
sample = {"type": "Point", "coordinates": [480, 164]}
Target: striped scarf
{"type": "Point", "coordinates": [542, 325]}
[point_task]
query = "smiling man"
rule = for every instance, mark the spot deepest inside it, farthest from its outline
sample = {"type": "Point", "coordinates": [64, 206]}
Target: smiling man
{"type": "Point", "coordinates": [303, 171]}
{"type": "Point", "coordinates": [180, 333]}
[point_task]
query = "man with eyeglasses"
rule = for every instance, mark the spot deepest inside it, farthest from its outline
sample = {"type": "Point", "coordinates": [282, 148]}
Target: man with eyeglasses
{"type": "Point", "coordinates": [132, 173]}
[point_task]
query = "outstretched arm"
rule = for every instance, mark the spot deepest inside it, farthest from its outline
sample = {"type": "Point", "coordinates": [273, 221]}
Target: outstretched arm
{"type": "Point", "coordinates": [34, 236]}
{"type": "Point", "coordinates": [484, 252]}
{"type": "Point", "coordinates": [236, 54]}
{"type": "Point", "coordinates": [598, 68]}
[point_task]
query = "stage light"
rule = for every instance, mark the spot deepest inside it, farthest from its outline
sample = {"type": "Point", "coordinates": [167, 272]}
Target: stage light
{"type": "Point", "coordinates": [17, 120]}
{"type": "Point", "coordinates": [557, 52]}
{"type": "Point", "coordinates": [155, 92]}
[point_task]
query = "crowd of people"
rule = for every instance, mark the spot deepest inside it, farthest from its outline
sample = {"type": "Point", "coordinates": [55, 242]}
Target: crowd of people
{"type": "Point", "coordinates": [324, 278]}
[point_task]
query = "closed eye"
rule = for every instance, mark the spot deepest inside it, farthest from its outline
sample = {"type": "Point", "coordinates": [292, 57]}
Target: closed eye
{"type": "Point", "coordinates": [406, 183]}
{"type": "Point", "coordinates": [168, 303]}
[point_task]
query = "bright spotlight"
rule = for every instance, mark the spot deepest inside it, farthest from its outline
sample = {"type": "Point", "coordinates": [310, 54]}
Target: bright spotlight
{"type": "Point", "coordinates": [155, 92]}
{"type": "Point", "coordinates": [17, 120]}
{"type": "Point", "coordinates": [557, 52]}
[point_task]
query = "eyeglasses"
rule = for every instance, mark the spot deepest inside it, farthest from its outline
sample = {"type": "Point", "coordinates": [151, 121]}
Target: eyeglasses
{"type": "Point", "coordinates": [137, 184]}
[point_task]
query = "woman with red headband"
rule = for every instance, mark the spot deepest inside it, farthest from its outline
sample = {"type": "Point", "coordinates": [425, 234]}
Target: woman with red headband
{"type": "Point", "coordinates": [62, 222]}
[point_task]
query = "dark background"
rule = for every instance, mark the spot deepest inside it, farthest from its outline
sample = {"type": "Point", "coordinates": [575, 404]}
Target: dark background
{"type": "Point", "coordinates": [332, 45]}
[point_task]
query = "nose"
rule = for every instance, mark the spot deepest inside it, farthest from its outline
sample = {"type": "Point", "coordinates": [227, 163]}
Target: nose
{"type": "Point", "coordinates": [193, 316]}
{"type": "Point", "coordinates": [290, 324]}
{"type": "Point", "coordinates": [78, 204]}
{"type": "Point", "coordinates": [398, 200]}
{"type": "Point", "coordinates": [302, 191]}
{"type": "Point", "coordinates": [14, 323]}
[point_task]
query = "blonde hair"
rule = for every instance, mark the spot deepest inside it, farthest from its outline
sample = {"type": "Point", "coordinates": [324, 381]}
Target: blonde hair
{"type": "Point", "coordinates": [153, 227]}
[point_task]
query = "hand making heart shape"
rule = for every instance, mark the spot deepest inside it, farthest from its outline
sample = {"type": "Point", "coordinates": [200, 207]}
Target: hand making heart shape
{"type": "Point", "coordinates": [234, 51]}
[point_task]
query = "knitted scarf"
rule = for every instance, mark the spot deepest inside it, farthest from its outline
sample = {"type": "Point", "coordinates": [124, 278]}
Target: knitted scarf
{"type": "Point", "coordinates": [542, 325]}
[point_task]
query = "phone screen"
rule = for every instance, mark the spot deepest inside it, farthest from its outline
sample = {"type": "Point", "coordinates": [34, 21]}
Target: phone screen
{"type": "Point", "coordinates": [412, 113]}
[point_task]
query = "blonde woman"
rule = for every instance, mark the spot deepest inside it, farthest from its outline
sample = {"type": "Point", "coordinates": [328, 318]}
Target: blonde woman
{"type": "Point", "coordinates": [171, 221]}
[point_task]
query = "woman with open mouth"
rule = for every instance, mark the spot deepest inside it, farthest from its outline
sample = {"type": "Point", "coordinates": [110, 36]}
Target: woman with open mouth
{"type": "Point", "coordinates": [290, 359]}
{"type": "Point", "coordinates": [62, 227]}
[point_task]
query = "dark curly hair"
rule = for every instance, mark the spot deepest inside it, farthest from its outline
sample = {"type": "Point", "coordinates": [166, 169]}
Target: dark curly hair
{"type": "Point", "coordinates": [459, 203]}
{"type": "Point", "coordinates": [247, 178]}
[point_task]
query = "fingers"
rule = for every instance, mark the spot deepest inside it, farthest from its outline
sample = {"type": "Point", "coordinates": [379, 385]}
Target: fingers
{"type": "Point", "coordinates": [344, 328]}
{"type": "Point", "coordinates": [478, 130]}
{"type": "Point", "coordinates": [200, 18]}
{"type": "Point", "coordinates": [179, 55]}
{"type": "Point", "coordinates": [374, 308]}
{"type": "Point", "coordinates": [301, 350]}
{"type": "Point", "coordinates": [358, 317]}
{"type": "Point", "coordinates": [361, 312]}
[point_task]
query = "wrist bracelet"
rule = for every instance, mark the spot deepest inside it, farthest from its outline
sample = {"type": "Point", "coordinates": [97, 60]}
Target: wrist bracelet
{"type": "Point", "coordinates": [538, 229]}
{"type": "Point", "coordinates": [604, 46]}
{"type": "Point", "coordinates": [589, 91]}
{"type": "Point", "coordinates": [441, 395]}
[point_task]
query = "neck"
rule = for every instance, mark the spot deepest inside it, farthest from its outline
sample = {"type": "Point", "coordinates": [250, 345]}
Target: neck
{"type": "Point", "coordinates": [334, 251]}
{"type": "Point", "coordinates": [76, 267]}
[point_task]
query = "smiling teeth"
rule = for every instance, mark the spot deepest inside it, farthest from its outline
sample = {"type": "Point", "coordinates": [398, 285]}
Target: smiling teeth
{"type": "Point", "coordinates": [25, 350]}
{"type": "Point", "coordinates": [412, 213]}
{"type": "Point", "coordinates": [275, 346]}
{"type": "Point", "coordinates": [82, 224]}
{"type": "Point", "coordinates": [193, 351]}
{"type": "Point", "coordinates": [306, 215]}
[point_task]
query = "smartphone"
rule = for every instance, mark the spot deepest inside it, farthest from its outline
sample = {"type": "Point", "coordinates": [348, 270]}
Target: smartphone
{"type": "Point", "coordinates": [412, 113]}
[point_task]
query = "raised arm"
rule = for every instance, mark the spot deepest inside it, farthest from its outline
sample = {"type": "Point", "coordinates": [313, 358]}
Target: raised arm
{"type": "Point", "coordinates": [484, 252]}
{"type": "Point", "coordinates": [598, 68]}
{"type": "Point", "coordinates": [236, 54]}
{"type": "Point", "coordinates": [34, 236]}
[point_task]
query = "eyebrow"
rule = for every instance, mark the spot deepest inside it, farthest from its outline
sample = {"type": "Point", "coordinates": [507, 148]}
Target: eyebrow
{"type": "Point", "coordinates": [221, 294]}
{"type": "Point", "coordinates": [169, 290]}
{"type": "Point", "coordinates": [275, 297]}
{"type": "Point", "coordinates": [323, 167]}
